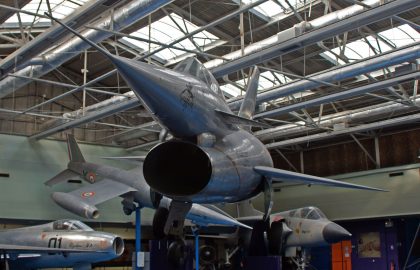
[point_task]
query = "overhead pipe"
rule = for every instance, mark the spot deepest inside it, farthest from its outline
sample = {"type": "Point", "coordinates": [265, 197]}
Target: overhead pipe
{"type": "Point", "coordinates": [89, 117]}
{"type": "Point", "coordinates": [292, 32]}
{"type": "Point", "coordinates": [108, 104]}
{"type": "Point", "coordinates": [236, 103]}
{"type": "Point", "coordinates": [137, 132]}
{"type": "Point", "coordinates": [121, 18]}
{"type": "Point", "coordinates": [296, 39]}
{"type": "Point", "coordinates": [390, 58]}
{"type": "Point", "coordinates": [379, 85]}
{"type": "Point", "coordinates": [335, 133]}
{"type": "Point", "coordinates": [43, 41]}
{"type": "Point", "coordinates": [328, 121]}
{"type": "Point", "coordinates": [394, 57]}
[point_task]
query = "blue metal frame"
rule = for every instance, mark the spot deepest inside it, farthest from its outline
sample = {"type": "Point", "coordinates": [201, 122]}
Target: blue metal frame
{"type": "Point", "coordinates": [138, 236]}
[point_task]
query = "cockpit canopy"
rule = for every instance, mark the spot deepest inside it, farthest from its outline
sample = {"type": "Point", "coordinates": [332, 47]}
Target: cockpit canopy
{"type": "Point", "coordinates": [70, 225]}
{"type": "Point", "coordinates": [195, 68]}
{"type": "Point", "coordinates": [310, 212]}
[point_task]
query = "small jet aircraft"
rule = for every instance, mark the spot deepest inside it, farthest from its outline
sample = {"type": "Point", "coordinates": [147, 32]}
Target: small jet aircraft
{"type": "Point", "coordinates": [62, 243]}
{"type": "Point", "coordinates": [212, 158]}
{"type": "Point", "coordinates": [302, 227]}
{"type": "Point", "coordinates": [108, 182]}
{"type": "Point", "coordinates": [289, 233]}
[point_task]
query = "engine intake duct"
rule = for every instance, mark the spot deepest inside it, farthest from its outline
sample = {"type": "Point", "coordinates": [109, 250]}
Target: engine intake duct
{"type": "Point", "coordinates": [177, 168]}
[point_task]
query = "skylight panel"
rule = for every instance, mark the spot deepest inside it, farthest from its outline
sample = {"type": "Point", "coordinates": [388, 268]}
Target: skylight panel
{"type": "Point", "coordinates": [269, 8]}
{"type": "Point", "coordinates": [401, 35]}
{"type": "Point", "coordinates": [59, 8]}
{"type": "Point", "coordinates": [275, 7]}
{"type": "Point", "coordinates": [270, 80]}
{"type": "Point", "coordinates": [231, 90]}
{"type": "Point", "coordinates": [168, 29]}
{"type": "Point", "coordinates": [267, 80]}
{"type": "Point", "coordinates": [364, 48]}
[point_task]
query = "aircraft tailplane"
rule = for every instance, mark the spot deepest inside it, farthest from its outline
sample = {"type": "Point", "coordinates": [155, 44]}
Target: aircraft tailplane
{"type": "Point", "coordinates": [62, 177]}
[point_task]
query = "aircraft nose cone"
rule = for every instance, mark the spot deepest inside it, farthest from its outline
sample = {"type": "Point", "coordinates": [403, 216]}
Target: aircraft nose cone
{"type": "Point", "coordinates": [154, 86]}
{"type": "Point", "coordinates": [334, 233]}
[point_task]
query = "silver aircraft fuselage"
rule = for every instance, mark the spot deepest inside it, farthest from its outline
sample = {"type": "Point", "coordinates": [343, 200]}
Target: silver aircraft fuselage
{"type": "Point", "coordinates": [143, 195]}
{"type": "Point", "coordinates": [210, 160]}
{"type": "Point", "coordinates": [62, 234]}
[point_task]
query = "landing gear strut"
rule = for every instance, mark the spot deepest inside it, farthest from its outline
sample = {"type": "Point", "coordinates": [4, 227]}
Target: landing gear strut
{"type": "Point", "coordinates": [302, 260]}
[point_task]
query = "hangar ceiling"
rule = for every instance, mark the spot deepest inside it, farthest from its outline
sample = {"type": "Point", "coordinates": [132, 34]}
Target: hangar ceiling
{"type": "Point", "coordinates": [332, 70]}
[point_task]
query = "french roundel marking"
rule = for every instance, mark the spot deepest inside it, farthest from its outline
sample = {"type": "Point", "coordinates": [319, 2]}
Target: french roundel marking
{"type": "Point", "coordinates": [88, 194]}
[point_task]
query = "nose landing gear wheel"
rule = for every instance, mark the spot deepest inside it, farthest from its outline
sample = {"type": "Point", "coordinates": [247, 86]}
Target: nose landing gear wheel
{"type": "Point", "coordinates": [177, 253]}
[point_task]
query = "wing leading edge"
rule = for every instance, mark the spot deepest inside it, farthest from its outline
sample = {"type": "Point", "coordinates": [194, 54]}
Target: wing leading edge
{"type": "Point", "coordinates": [278, 175]}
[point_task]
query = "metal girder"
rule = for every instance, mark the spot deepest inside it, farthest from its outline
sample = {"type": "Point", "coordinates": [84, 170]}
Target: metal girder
{"type": "Point", "coordinates": [364, 150]}
{"type": "Point", "coordinates": [384, 109]}
{"type": "Point", "coordinates": [88, 117]}
{"type": "Point", "coordinates": [336, 133]}
{"type": "Point", "coordinates": [394, 57]}
{"type": "Point", "coordinates": [210, 25]}
{"type": "Point", "coordinates": [123, 17]}
{"type": "Point", "coordinates": [43, 41]}
{"type": "Point", "coordinates": [341, 95]}
{"type": "Point", "coordinates": [377, 62]}
{"type": "Point", "coordinates": [367, 17]}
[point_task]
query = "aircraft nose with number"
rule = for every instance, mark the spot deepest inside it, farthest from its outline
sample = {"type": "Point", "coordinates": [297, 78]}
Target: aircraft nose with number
{"type": "Point", "coordinates": [62, 243]}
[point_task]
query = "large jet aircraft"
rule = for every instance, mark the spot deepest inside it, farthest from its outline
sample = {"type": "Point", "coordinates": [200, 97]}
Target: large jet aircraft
{"type": "Point", "coordinates": [62, 243]}
{"type": "Point", "coordinates": [109, 182]}
{"type": "Point", "coordinates": [211, 158]}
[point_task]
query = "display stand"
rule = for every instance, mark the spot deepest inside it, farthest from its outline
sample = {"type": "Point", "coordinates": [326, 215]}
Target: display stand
{"type": "Point", "coordinates": [195, 231]}
{"type": "Point", "coordinates": [138, 260]}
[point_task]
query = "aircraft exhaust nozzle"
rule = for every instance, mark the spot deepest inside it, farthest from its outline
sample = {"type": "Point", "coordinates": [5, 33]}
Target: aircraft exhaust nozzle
{"type": "Point", "coordinates": [75, 205]}
{"type": "Point", "coordinates": [184, 169]}
{"type": "Point", "coordinates": [177, 168]}
{"type": "Point", "coordinates": [118, 246]}
{"type": "Point", "coordinates": [334, 233]}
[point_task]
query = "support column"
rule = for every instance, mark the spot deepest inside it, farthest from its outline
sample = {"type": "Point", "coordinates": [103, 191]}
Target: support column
{"type": "Point", "coordinates": [195, 231]}
{"type": "Point", "coordinates": [138, 239]}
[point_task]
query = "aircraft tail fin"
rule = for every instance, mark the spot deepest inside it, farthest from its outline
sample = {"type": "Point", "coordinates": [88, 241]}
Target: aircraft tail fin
{"type": "Point", "coordinates": [247, 109]}
{"type": "Point", "coordinates": [75, 155]}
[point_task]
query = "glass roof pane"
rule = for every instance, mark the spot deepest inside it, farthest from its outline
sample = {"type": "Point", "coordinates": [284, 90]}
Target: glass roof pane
{"type": "Point", "coordinates": [267, 80]}
{"type": "Point", "coordinates": [231, 90]}
{"type": "Point", "coordinates": [168, 29]}
{"type": "Point", "coordinates": [274, 7]}
{"type": "Point", "coordinates": [269, 9]}
{"type": "Point", "coordinates": [364, 48]}
{"type": "Point", "coordinates": [402, 35]}
{"type": "Point", "coordinates": [60, 9]}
